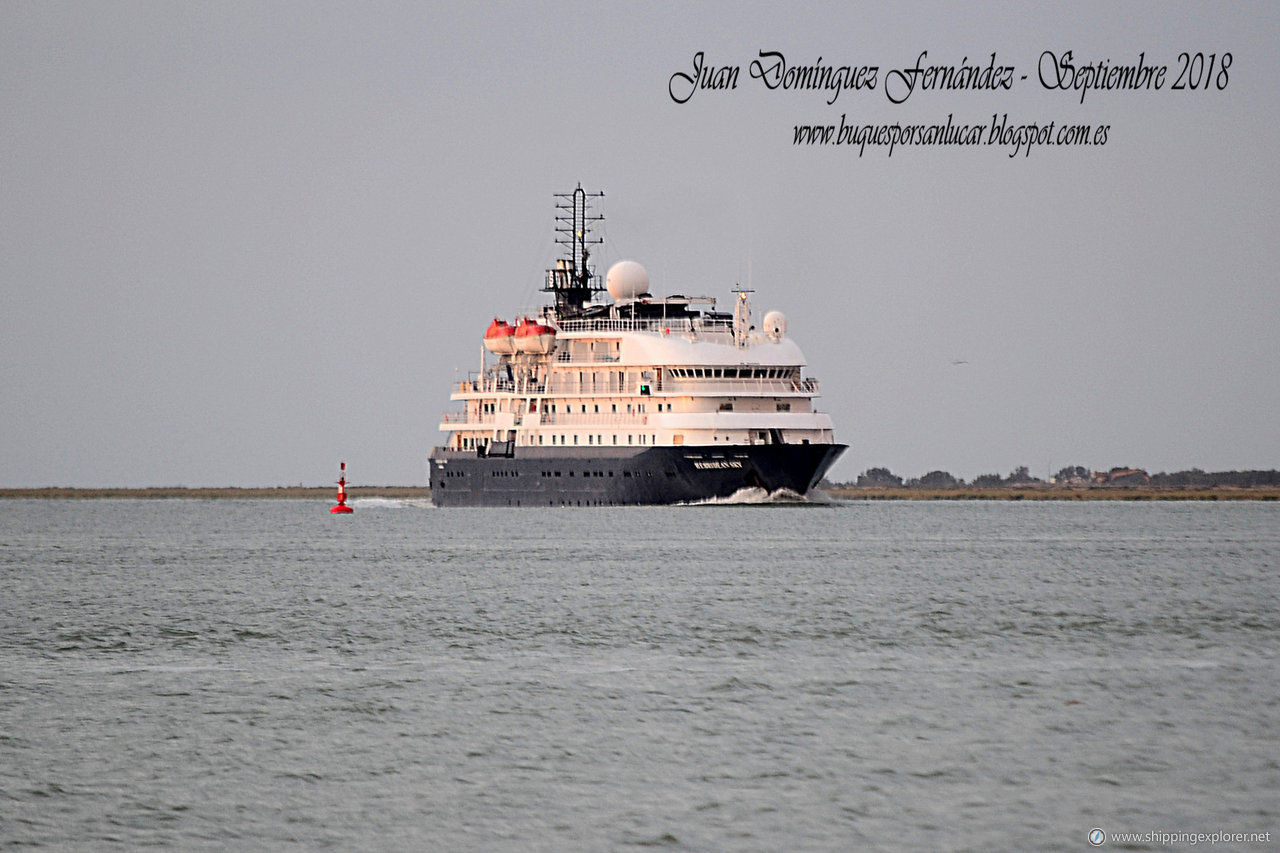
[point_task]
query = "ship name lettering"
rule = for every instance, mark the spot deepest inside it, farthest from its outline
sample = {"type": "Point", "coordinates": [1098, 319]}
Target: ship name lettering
{"type": "Point", "coordinates": [717, 463]}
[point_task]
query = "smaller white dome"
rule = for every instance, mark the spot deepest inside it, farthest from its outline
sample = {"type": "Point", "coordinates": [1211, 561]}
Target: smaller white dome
{"type": "Point", "coordinates": [775, 325]}
{"type": "Point", "coordinates": [626, 280]}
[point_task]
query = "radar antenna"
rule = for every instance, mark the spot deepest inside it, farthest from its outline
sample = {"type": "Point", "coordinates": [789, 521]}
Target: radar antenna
{"type": "Point", "coordinates": [572, 280]}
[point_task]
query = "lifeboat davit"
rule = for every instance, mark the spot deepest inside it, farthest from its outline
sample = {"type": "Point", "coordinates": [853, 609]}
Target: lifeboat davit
{"type": "Point", "coordinates": [534, 337]}
{"type": "Point", "coordinates": [500, 337]}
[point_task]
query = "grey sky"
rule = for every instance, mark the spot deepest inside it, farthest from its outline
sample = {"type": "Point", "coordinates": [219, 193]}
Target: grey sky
{"type": "Point", "coordinates": [240, 242]}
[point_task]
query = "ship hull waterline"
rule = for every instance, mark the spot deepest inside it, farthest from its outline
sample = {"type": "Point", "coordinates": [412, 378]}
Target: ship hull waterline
{"type": "Point", "coordinates": [623, 476]}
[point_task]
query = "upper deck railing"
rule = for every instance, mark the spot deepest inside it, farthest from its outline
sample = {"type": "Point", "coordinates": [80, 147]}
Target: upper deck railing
{"type": "Point", "coordinates": [658, 325]}
{"type": "Point", "coordinates": [462, 417]}
{"type": "Point", "coordinates": [571, 385]}
{"type": "Point", "coordinates": [721, 387]}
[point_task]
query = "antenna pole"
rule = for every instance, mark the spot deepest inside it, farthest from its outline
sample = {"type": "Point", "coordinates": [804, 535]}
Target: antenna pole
{"type": "Point", "coordinates": [572, 281]}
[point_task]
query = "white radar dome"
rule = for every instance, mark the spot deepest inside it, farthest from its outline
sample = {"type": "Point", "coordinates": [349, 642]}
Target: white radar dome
{"type": "Point", "coordinates": [775, 325]}
{"type": "Point", "coordinates": [626, 280]}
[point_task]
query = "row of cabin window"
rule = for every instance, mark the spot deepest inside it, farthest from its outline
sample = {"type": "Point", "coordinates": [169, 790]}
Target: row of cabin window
{"type": "Point", "coordinates": [732, 372]}
{"type": "Point", "coordinates": [637, 409]}
{"type": "Point", "coordinates": [471, 443]}
{"type": "Point", "coordinates": [728, 407]}
{"type": "Point", "coordinates": [711, 373]}
{"type": "Point", "coordinates": [599, 439]}
{"type": "Point", "coordinates": [515, 473]}
{"type": "Point", "coordinates": [637, 474]}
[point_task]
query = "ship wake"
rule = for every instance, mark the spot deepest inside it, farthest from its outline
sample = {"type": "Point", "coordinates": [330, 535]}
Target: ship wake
{"type": "Point", "coordinates": [756, 496]}
{"type": "Point", "coordinates": [394, 503]}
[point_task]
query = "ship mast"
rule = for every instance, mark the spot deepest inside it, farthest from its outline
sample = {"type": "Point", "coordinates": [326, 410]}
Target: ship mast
{"type": "Point", "coordinates": [572, 281]}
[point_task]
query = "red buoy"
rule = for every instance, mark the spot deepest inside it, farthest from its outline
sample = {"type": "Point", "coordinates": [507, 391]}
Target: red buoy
{"type": "Point", "coordinates": [342, 493]}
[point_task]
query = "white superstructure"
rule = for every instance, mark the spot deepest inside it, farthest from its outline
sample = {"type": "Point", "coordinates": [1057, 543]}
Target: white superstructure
{"type": "Point", "coordinates": [645, 373]}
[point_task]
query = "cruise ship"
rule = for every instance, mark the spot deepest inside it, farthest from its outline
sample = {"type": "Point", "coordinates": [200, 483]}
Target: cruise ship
{"type": "Point", "coordinates": [634, 400]}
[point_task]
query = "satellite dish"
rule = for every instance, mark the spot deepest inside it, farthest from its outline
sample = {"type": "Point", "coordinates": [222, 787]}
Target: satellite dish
{"type": "Point", "coordinates": [775, 325]}
{"type": "Point", "coordinates": [626, 280]}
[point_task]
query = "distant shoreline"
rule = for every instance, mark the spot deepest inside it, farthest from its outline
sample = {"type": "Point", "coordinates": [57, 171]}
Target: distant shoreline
{"type": "Point", "coordinates": [1058, 493]}
{"type": "Point", "coordinates": [872, 493]}
{"type": "Point", "coordinates": [218, 493]}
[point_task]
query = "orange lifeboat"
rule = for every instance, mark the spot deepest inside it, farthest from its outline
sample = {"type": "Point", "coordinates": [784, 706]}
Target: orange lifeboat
{"type": "Point", "coordinates": [500, 337]}
{"type": "Point", "coordinates": [534, 337]}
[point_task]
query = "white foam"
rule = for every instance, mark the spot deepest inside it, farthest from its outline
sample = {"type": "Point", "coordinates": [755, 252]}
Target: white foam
{"type": "Point", "coordinates": [754, 495]}
{"type": "Point", "coordinates": [394, 503]}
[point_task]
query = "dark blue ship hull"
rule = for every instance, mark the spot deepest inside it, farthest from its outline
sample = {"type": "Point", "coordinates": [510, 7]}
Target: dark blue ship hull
{"type": "Point", "coordinates": [621, 476]}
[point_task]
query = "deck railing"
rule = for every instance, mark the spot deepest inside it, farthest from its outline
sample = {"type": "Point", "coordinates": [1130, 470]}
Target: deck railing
{"type": "Point", "coordinates": [671, 325]}
{"type": "Point", "coordinates": [569, 385]}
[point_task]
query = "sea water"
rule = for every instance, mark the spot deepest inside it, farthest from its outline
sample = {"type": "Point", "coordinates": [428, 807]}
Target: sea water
{"type": "Point", "coordinates": [250, 675]}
